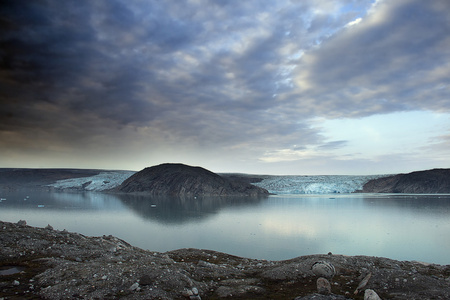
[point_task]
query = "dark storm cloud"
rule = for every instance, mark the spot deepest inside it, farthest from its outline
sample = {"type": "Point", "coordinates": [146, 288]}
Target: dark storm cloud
{"type": "Point", "coordinates": [211, 73]}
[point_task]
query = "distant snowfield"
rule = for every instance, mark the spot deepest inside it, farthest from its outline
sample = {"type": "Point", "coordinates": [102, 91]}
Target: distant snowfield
{"type": "Point", "coordinates": [326, 184]}
{"type": "Point", "coordinates": [103, 181]}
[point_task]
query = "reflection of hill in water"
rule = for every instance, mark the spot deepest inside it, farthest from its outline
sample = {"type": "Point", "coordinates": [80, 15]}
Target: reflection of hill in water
{"type": "Point", "coordinates": [178, 210]}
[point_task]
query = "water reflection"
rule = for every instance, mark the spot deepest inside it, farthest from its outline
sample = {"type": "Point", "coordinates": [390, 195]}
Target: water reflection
{"type": "Point", "coordinates": [86, 201]}
{"type": "Point", "coordinates": [436, 204]}
{"type": "Point", "coordinates": [405, 227]}
{"type": "Point", "coordinates": [179, 210]}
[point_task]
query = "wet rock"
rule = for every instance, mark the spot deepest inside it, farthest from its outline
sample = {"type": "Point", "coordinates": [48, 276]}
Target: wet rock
{"type": "Point", "coordinates": [323, 286]}
{"type": "Point", "coordinates": [324, 269]}
{"type": "Point", "coordinates": [371, 295]}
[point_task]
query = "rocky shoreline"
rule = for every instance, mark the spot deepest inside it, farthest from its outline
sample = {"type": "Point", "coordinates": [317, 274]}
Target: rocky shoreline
{"type": "Point", "coordinates": [43, 263]}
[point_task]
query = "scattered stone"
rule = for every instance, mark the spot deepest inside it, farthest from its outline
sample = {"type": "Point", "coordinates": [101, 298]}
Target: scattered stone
{"type": "Point", "coordinates": [53, 272]}
{"type": "Point", "coordinates": [195, 295]}
{"type": "Point", "coordinates": [371, 295]}
{"type": "Point", "coordinates": [324, 269]}
{"type": "Point", "coordinates": [15, 282]}
{"type": "Point", "coordinates": [187, 293]}
{"type": "Point", "coordinates": [322, 297]}
{"type": "Point", "coordinates": [134, 287]}
{"type": "Point", "coordinates": [323, 286]}
{"type": "Point", "coordinates": [22, 223]}
{"type": "Point", "coordinates": [363, 283]}
{"type": "Point", "coordinates": [145, 280]}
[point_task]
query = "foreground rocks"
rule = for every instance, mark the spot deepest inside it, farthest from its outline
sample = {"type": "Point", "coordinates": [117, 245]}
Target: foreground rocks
{"type": "Point", "coordinates": [51, 264]}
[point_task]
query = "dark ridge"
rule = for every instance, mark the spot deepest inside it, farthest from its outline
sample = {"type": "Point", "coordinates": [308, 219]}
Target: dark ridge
{"type": "Point", "coordinates": [436, 181]}
{"type": "Point", "coordinates": [183, 180]}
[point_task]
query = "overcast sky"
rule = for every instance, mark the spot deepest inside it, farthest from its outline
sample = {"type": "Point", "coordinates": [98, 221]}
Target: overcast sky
{"type": "Point", "coordinates": [256, 86]}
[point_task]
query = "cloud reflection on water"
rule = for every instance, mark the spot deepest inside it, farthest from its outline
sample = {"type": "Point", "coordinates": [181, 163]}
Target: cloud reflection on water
{"type": "Point", "coordinates": [405, 227]}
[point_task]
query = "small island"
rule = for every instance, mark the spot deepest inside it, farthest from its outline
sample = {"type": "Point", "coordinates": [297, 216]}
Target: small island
{"type": "Point", "coordinates": [182, 180]}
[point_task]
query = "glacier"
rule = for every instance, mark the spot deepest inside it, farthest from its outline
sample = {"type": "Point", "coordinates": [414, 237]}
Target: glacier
{"type": "Point", "coordinates": [104, 181]}
{"type": "Point", "coordinates": [293, 184]}
{"type": "Point", "coordinates": [317, 184]}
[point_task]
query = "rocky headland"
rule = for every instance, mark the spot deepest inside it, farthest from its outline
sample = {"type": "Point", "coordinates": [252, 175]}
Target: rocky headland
{"type": "Point", "coordinates": [436, 181]}
{"type": "Point", "coordinates": [43, 263]}
{"type": "Point", "coordinates": [183, 180]}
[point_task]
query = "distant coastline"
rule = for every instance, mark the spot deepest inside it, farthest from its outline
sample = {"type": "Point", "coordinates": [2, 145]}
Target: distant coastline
{"type": "Point", "coordinates": [433, 181]}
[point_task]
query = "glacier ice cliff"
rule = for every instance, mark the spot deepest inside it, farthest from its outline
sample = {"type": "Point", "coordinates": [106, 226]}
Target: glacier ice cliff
{"type": "Point", "coordinates": [101, 182]}
{"type": "Point", "coordinates": [324, 184]}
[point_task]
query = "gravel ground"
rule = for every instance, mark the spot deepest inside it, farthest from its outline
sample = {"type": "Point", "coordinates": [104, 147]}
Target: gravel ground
{"type": "Point", "coordinates": [42, 263]}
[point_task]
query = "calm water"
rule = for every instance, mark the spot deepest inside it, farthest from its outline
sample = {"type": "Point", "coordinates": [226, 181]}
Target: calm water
{"type": "Point", "coordinates": [403, 227]}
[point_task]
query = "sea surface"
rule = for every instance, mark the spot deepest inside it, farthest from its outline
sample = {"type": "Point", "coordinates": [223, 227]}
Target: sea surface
{"type": "Point", "coordinates": [397, 226]}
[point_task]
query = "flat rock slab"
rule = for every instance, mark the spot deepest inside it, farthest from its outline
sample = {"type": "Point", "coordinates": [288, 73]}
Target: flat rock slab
{"type": "Point", "coordinates": [63, 265]}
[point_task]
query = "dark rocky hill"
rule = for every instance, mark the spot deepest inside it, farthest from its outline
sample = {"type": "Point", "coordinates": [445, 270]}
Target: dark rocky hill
{"type": "Point", "coordinates": [183, 180]}
{"type": "Point", "coordinates": [436, 181]}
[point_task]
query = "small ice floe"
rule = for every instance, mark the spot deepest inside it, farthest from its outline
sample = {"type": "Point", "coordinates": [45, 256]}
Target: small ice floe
{"type": "Point", "coordinates": [41, 205]}
{"type": "Point", "coordinates": [153, 205]}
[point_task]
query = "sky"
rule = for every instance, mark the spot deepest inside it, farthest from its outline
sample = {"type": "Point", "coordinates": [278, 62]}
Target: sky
{"type": "Point", "coordinates": [258, 86]}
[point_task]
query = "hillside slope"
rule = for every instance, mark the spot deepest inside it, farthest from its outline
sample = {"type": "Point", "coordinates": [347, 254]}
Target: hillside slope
{"type": "Point", "coordinates": [436, 181]}
{"type": "Point", "coordinates": [183, 180]}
